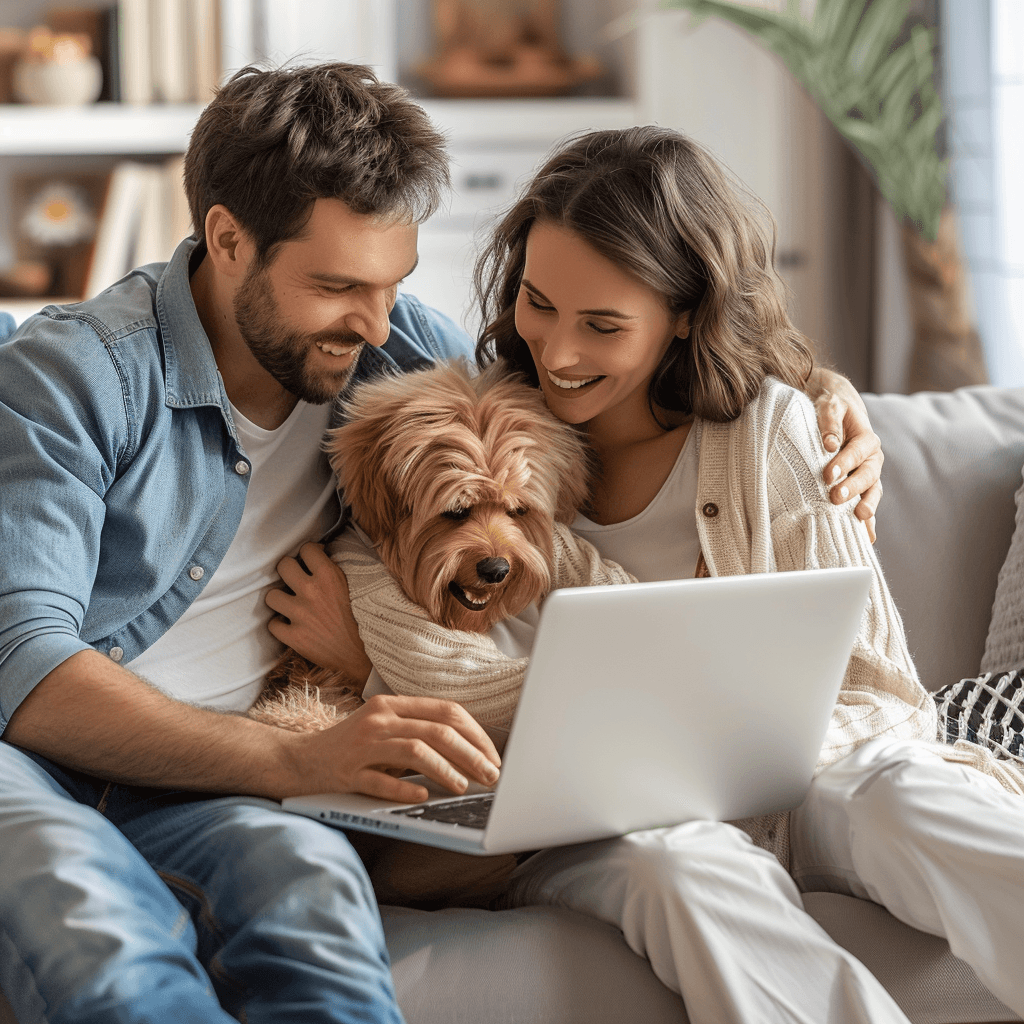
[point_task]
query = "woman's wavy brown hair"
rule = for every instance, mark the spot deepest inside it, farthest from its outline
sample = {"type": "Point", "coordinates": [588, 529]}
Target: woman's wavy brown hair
{"type": "Point", "coordinates": [661, 208]}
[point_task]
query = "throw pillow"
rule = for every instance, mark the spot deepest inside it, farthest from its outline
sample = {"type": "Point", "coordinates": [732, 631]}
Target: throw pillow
{"type": "Point", "coordinates": [988, 710]}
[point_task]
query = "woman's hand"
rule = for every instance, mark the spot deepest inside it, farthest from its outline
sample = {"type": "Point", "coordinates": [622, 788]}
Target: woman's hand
{"type": "Point", "coordinates": [315, 618]}
{"type": "Point", "coordinates": [846, 429]}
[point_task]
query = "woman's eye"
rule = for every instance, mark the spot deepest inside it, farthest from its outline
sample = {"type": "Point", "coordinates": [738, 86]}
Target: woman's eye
{"type": "Point", "coordinates": [456, 514]}
{"type": "Point", "coordinates": [530, 301]}
{"type": "Point", "coordinates": [603, 330]}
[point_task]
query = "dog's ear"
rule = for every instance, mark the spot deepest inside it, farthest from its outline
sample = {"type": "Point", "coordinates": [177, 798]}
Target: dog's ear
{"type": "Point", "coordinates": [559, 458]}
{"type": "Point", "coordinates": [356, 451]}
{"type": "Point", "coordinates": [574, 464]}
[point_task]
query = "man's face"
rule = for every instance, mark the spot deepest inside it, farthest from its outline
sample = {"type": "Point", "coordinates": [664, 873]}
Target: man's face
{"type": "Point", "coordinates": [327, 292]}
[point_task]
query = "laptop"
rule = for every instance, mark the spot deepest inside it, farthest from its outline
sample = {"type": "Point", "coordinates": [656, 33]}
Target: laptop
{"type": "Point", "coordinates": [649, 704]}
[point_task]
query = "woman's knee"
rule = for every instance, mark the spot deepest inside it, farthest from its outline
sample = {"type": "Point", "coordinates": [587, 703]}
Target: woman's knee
{"type": "Point", "coordinates": [692, 858]}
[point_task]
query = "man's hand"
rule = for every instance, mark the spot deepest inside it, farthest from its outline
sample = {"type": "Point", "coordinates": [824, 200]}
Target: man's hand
{"type": "Point", "coordinates": [435, 738]}
{"type": "Point", "coordinates": [846, 429]}
{"type": "Point", "coordinates": [316, 618]}
{"type": "Point", "coordinates": [91, 714]}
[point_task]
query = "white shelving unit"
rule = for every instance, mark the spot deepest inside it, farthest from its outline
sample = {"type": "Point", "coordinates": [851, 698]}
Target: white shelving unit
{"type": "Point", "coordinates": [711, 82]}
{"type": "Point", "coordinates": [114, 129]}
{"type": "Point", "coordinates": [493, 144]}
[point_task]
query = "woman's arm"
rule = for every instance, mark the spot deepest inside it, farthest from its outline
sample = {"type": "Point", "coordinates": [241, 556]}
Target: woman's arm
{"type": "Point", "coordinates": [881, 693]}
{"type": "Point", "coordinates": [845, 428]}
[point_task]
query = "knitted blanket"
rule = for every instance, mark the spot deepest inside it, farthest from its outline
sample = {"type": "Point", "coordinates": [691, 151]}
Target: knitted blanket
{"type": "Point", "coordinates": [418, 658]}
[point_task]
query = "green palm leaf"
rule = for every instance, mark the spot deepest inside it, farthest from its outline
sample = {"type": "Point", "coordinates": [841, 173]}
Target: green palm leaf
{"type": "Point", "coordinates": [879, 96]}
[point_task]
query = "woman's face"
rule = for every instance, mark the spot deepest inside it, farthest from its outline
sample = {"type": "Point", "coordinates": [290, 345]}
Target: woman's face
{"type": "Point", "coordinates": [596, 333]}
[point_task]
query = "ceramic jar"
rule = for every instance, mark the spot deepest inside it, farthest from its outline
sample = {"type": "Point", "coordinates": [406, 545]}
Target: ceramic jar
{"type": "Point", "coordinates": [60, 83]}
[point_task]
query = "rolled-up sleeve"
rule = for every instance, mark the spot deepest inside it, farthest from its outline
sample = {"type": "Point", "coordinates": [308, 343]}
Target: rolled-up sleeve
{"type": "Point", "coordinates": [64, 427]}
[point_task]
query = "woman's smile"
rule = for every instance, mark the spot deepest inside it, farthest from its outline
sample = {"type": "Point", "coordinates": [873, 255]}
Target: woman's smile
{"type": "Point", "coordinates": [571, 383]}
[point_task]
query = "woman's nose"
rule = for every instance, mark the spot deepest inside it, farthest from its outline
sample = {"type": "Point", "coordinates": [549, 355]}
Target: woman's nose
{"type": "Point", "coordinates": [559, 351]}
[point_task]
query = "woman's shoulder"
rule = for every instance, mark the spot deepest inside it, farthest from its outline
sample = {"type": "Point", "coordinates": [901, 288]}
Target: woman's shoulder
{"type": "Point", "coordinates": [777, 430]}
{"type": "Point", "coordinates": [776, 410]}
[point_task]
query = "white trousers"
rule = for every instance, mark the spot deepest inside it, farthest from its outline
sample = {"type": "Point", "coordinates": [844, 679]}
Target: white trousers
{"type": "Point", "coordinates": [721, 922]}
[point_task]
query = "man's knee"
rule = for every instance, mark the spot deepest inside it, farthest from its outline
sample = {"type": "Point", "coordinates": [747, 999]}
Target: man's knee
{"type": "Point", "coordinates": [274, 856]}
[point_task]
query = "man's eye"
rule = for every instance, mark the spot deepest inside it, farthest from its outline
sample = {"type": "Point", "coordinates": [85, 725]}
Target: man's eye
{"type": "Point", "coordinates": [456, 514]}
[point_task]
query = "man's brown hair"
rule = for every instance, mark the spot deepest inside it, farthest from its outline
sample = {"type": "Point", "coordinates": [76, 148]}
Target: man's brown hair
{"type": "Point", "coordinates": [272, 142]}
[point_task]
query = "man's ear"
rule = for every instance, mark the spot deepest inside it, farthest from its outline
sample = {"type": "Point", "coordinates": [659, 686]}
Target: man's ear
{"type": "Point", "coordinates": [228, 244]}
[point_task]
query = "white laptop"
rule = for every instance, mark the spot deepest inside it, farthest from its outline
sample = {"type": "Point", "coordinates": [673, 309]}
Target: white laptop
{"type": "Point", "coordinates": [645, 705]}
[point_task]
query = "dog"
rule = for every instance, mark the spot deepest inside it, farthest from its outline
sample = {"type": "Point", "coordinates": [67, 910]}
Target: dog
{"type": "Point", "coordinates": [464, 486]}
{"type": "Point", "coordinates": [460, 489]}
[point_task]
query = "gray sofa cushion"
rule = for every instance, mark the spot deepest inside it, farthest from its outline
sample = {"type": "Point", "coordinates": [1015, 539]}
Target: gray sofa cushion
{"type": "Point", "coordinates": [930, 984]}
{"type": "Point", "coordinates": [952, 464]}
{"type": "Point", "coordinates": [538, 964]}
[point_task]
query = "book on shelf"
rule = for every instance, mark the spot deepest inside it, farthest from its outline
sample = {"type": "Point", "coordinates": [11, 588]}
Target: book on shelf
{"type": "Point", "coordinates": [143, 219]}
{"type": "Point", "coordinates": [169, 50]}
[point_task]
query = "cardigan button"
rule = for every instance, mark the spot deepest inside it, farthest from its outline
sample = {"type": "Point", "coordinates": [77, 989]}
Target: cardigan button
{"type": "Point", "coordinates": [710, 510]}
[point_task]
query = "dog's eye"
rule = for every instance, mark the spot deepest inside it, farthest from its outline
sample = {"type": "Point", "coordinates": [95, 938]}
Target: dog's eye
{"type": "Point", "coordinates": [516, 512]}
{"type": "Point", "coordinates": [456, 514]}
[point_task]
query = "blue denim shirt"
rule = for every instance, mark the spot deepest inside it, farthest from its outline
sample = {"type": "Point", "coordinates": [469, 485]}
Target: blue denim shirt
{"type": "Point", "coordinates": [122, 479]}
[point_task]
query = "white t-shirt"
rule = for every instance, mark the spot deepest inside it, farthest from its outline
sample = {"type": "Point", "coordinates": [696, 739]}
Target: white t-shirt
{"type": "Point", "coordinates": [661, 542]}
{"type": "Point", "coordinates": [219, 651]}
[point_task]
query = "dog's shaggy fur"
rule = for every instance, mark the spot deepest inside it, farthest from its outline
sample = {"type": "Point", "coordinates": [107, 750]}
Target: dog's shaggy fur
{"type": "Point", "coordinates": [457, 481]}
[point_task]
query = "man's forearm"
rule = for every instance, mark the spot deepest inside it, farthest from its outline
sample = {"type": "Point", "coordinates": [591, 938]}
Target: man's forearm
{"type": "Point", "coordinates": [90, 714]}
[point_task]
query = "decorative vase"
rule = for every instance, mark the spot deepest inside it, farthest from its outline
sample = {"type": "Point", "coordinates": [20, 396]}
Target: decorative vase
{"type": "Point", "coordinates": [59, 83]}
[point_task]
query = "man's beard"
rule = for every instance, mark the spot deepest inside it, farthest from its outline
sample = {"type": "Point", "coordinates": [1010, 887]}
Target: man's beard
{"type": "Point", "coordinates": [285, 354]}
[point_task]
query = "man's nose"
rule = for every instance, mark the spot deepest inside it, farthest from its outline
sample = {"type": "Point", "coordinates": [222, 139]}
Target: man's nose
{"type": "Point", "coordinates": [370, 318]}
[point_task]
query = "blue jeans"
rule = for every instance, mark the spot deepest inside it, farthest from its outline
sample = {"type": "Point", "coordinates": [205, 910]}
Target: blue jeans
{"type": "Point", "coordinates": [127, 905]}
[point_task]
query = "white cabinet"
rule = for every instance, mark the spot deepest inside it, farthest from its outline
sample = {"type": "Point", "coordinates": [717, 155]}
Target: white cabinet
{"type": "Point", "coordinates": [494, 147]}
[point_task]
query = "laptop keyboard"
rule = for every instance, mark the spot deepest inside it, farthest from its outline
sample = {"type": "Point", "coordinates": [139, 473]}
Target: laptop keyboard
{"type": "Point", "coordinates": [468, 811]}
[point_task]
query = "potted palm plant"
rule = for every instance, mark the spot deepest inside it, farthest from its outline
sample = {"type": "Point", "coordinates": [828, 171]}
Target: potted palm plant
{"type": "Point", "coordinates": [876, 88]}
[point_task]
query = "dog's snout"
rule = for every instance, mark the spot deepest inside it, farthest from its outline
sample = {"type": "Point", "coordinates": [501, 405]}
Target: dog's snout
{"type": "Point", "coordinates": [492, 570]}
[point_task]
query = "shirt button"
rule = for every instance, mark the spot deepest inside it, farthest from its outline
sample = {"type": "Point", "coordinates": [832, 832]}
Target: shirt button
{"type": "Point", "coordinates": [710, 510]}
{"type": "Point", "coordinates": [241, 467]}
{"type": "Point", "coordinates": [197, 572]}
{"type": "Point", "coordinates": [116, 653]}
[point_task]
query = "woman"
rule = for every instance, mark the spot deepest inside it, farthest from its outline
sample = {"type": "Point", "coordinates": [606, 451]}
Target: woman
{"type": "Point", "coordinates": [633, 285]}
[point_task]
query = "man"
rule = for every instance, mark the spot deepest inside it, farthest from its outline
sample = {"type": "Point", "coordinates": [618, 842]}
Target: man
{"type": "Point", "coordinates": [160, 457]}
{"type": "Point", "coordinates": [143, 431]}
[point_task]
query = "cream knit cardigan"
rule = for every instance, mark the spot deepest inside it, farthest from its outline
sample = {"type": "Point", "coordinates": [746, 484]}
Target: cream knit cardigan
{"type": "Point", "coordinates": [761, 507]}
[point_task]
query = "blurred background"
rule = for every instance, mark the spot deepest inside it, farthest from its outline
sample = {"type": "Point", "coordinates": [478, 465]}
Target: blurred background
{"type": "Point", "coordinates": [97, 100]}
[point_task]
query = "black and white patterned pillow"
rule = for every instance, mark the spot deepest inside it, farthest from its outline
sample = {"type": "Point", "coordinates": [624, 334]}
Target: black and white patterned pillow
{"type": "Point", "coordinates": [988, 710]}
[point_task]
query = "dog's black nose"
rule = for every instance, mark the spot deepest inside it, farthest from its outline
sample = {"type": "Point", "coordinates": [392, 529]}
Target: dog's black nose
{"type": "Point", "coordinates": [492, 570]}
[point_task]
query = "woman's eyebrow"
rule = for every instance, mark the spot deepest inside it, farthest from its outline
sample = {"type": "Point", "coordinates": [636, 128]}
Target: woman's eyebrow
{"type": "Point", "coordinates": [580, 312]}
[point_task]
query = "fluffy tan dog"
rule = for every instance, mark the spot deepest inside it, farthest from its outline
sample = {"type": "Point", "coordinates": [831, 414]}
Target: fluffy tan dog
{"type": "Point", "coordinates": [463, 488]}
{"type": "Point", "coordinates": [458, 483]}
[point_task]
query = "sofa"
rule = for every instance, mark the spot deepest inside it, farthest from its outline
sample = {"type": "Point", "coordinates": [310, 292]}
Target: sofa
{"type": "Point", "coordinates": [953, 464]}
